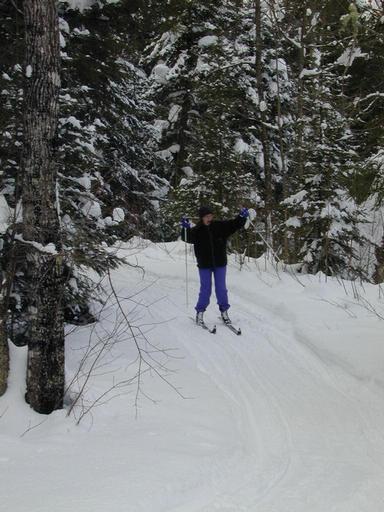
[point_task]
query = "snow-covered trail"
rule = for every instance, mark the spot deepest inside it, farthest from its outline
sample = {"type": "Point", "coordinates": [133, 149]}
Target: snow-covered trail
{"type": "Point", "coordinates": [308, 434]}
{"type": "Point", "coordinates": [287, 417]}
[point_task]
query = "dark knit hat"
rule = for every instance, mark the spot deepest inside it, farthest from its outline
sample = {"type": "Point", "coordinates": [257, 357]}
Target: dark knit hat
{"type": "Point", "coordinates": [204, 210]}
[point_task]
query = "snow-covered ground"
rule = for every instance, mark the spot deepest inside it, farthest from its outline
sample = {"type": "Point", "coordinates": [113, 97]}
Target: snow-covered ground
{"type": "Point", "coordinates": [288, 417]}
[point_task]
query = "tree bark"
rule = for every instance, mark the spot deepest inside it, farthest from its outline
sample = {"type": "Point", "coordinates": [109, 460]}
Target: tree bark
{"type": "Point", "coordinates": [45, 369]}
{"type": "Point", "coordinates": [7, 274]}
{"type": "Point", "coordinates": [300, 103]}
{"type": "Point", "coordinates": [263, 118]}
{"type": "Point", "coordinates": [299, 151]}
{"type": "Point", "coordinates": [4, 352]}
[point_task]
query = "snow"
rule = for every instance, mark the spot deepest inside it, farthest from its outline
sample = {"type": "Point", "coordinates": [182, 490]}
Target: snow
{"type": "Point", "coordinates": [252, 214]}
{"type": "Point", "coordinates": [188, 171]}
{"type": "Point", "coordinates": [286, 417]}
{"type": "Point", "coordinates": [81, 5]}
{"type": "Point", "coordinates": [62, 41]}
{"type": "Point", "coordinates": [241, 146]}
{"type": "Point", "coordinates": [202, 66]}
{"type": "Point", "coordinates": [118, 214]}
{"type": "Point", "coordinates": [293, 222]}
{"type": "Point", "coordinates": [72, 121]}
{"type": "Point", "coordinates": [252, 95]}
{"type": "Point", "coordinates": [174, 113]}
{"type": "Point", "coordinates": [309, 72]}
{"type": "Point", "coordinates": [263, 106]}
{"type": "Point", "coordinates": [167, 154]}
{"type": "Point", "coordinates": [296, 198]}
{"type": "Point", "coordinates": [87, 145]}
{"type": "Point", "coordinates": [207, 41]}
{"type": "Point", "coordinates": [160, 73]}
{"type": "Point", "coordinates": [160, 125]}
{"type": "Point", "coordinates": [64, 26]}
{"type": "Point", "coordinates": [98, 122]}
{"type": "Point", "coordinates": [5, 214]}
{"type": "Point", "coordinates": [178, 67]}
{"type": "Point", "coordinates": [282, 68]}
{"type": "Point", "coordinates": [349, 55]}
{"type": "Point", "coordinates": [92, 208]}
{"type": "Point", "coordinates": [82, 32]}
{"type": "Point", "coordinates": [85, 181]}
{"type": "Point", "coordinates": [9, 215]}
{"type": "Point", "coordinates": [49, 248]}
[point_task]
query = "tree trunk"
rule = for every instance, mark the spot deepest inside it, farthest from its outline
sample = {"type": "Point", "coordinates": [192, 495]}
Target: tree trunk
{"type": "Point", "coordinates": [264, 133]}
{"type": "Point", "coordinates": [299, 151]}
{"type": "Point", "coordinates": [282, 142]}
{"type": "Point", "coordinates": [4, 353]}
{"type": "Point", "coordinates": [378, 276]}
{"type": "Point", "coordinates": [300, 103]}
{"type": "Point", "coordinates": [6, 275]}
{"type": "Point", "coordinates": [45, 370]}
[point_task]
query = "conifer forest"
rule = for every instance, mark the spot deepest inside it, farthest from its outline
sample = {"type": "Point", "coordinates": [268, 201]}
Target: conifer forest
{"type": "Point", "coordinates": [119, 117]}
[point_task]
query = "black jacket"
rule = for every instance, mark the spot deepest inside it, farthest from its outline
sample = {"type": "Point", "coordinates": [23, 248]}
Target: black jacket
{"type": "Point", "coordinates": [210, 242]}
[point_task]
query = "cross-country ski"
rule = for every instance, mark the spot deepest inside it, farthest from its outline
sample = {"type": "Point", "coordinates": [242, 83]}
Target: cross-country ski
{"type": "Point", "coordinates": [235, 330]}
{"type": "Point", "coordinates": [203, 325]}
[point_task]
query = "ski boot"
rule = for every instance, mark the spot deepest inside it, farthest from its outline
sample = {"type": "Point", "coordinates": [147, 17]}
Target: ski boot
{"type": "Point", "coordinates": [225, 317]}
{"type": "Point", "coordinates": [199, 318]}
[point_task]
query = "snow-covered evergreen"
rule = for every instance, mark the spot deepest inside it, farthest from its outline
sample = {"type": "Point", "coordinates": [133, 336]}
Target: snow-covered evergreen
{"type": "Point", "coordinates": [323, 215]}
{"type": "Point", "coordinates": [200, 83]}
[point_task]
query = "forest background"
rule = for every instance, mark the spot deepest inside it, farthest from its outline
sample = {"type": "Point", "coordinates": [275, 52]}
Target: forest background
{"type": "Point", "coordinates": [160, 106]}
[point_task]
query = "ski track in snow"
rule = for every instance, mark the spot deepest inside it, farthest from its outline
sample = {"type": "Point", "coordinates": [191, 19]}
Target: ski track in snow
{"type": "Point", "coordinates": [271, 480]}
{"type": "Point", "coordinates": [278, 423]}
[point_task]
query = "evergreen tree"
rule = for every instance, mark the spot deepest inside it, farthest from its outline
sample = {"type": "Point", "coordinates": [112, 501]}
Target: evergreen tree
{"type": "Point", "coordinates": [325, 215]}
{"type": "Point", "coordinates": [11, 34]}
{"type": "Point", "coordinates": [106, 139]}
{"type": "Point", "coordinates": [363, 24]}
{"type": "Point", "coordinates": [198, 69]}
{"type": "Point", "coordinates": [107, 183]}
{"type": "Point", "coordinates": [366, 58]}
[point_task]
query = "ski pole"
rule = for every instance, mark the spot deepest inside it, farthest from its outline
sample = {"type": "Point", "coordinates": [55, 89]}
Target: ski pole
{"type": "Point", "coordinates": [266, 243]}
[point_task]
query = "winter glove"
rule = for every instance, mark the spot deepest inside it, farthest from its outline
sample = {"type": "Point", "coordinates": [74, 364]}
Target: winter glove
{"type": "Point", "coordinates": [244, 213]}
{"type": "Point", "coordinates": [184, 223]}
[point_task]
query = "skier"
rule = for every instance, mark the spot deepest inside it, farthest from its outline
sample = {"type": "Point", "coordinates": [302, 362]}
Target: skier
{"type": "Point", "coordinates": [209, 238]}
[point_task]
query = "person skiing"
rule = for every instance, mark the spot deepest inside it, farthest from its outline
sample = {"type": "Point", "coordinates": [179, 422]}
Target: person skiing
{"type": "Point", "coordinates": [209, 238]}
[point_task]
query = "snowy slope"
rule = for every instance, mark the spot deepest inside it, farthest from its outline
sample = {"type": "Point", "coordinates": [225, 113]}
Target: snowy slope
{"type": "Point", "coordinates": [288, 417]}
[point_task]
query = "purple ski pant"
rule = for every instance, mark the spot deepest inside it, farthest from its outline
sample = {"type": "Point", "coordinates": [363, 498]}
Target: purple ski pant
{"type": "Point", "coordinates": [219, 274]}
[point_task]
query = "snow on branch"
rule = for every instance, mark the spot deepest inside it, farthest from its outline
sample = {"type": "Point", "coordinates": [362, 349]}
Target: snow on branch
{"type": "Point", "coordinates": [47, 249]}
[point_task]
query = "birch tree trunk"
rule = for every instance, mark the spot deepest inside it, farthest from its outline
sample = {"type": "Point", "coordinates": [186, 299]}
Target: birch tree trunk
{"type": "Point", "coordinates": [41, 230]}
